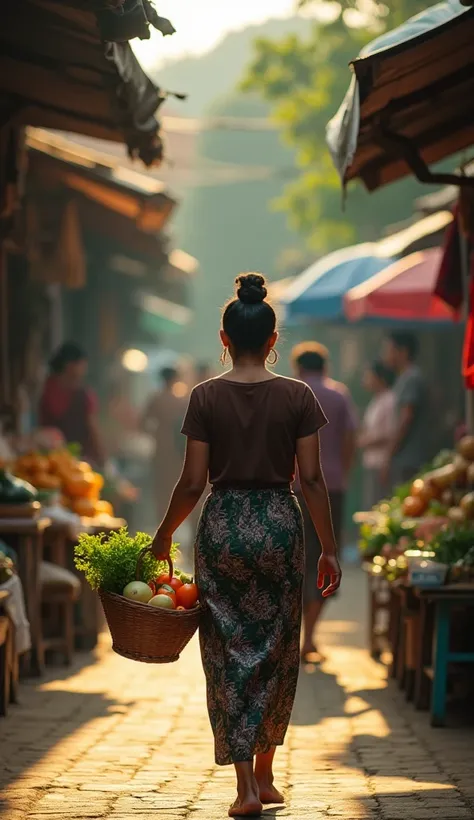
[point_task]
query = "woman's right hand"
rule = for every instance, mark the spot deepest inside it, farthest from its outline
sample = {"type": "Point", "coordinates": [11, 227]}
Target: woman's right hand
{"type": "Point", "coordinates": [161, 546]}
{"type": "Point", "coordinates": [328, 566]}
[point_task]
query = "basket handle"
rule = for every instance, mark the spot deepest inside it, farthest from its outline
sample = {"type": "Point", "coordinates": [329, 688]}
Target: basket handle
{"type": "Point", "coordinates": [144, 552]}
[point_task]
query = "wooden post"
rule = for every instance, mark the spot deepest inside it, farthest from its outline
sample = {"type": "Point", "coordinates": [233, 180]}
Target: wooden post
{"type": "Point", "coordinates": [5, 387]}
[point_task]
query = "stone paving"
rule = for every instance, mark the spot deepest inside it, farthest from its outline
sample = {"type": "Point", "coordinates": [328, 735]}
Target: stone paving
{"type": "Point", "coordinates": [123, 741]}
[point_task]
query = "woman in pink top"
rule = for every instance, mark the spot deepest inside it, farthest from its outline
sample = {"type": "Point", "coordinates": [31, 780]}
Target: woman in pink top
{"type": "Point", "coordinates": [377, 431]}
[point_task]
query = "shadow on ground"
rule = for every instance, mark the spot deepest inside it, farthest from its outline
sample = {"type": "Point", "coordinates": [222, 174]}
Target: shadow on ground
{"type": "Point", "coordinates": [31, 739]}
{"type": "Point", "coordinates": [383, 756]}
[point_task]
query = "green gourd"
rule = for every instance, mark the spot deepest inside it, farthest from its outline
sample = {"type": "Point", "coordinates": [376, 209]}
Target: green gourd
{"type": "Point", "coordinates": [14, 490]}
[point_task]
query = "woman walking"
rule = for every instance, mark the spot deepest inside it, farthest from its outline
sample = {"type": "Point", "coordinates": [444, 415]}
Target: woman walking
{"type": "Point", "coordinates": [244, 430]}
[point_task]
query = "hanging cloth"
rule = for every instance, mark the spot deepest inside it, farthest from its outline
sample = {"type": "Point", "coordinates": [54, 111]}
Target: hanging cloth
{"type": "Point", "coordinates": [449, 285]}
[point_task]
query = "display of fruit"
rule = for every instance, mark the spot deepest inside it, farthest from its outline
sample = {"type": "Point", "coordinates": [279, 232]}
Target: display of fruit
{"type": "Point", "coordinates": [456, 515]}
{"type": "Point", "coordinates": [414, 506]}
{"type": "Point", "coordinates": [444, 477]}
{"type": "Point", "coordinates": [467, 505]}
{"type": "Point", "coordinates": [466, 447]}
{"type": "Point", "coordinates": [14, 490]}
{"type": "Point", "coordinates": [447, 498]}
{"type": "Point", "coordinates": [83, 507]}
{"type": "Point", "coordinates": [7, 569]}
{"type": "Point", "coordinates": [422, 489]}
{"type": "Point", "coordinates": [470, 474]}
{"type": "Point", "coordinates": [78, 484]}
{"type": "Point", "coordinates": [461, 466]}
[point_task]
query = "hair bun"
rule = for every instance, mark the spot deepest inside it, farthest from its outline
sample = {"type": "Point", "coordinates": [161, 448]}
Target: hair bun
{"type": "Point", "coordinates": [251, 288]}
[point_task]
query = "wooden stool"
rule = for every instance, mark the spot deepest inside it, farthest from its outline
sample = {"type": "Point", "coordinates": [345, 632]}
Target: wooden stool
{"type": "Point", "coordinates": [8, 659]}
{"type": "Point", "coordinates": [60, 589]}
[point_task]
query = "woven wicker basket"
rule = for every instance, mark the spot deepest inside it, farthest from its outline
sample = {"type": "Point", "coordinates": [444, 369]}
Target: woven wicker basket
{"type": "Point", "coordinates": [146, 633]}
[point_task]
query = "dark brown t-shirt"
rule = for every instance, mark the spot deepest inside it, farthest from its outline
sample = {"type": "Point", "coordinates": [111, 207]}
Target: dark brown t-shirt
{"type": "Point", "coordinates": [252, 428]}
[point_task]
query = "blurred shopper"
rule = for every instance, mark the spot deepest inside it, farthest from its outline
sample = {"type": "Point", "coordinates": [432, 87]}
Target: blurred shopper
{"type": "Point", "coordinates": [203, 372]}
{"type": "Point", "coordinates": [377, 431]}
{"type": "Point", "coordinates": [338, 446]}
{"type": "Point", "coordinates": [162, 418]}
{"type": "Point", "coordinates": [407, 450]}
{"type": "Point", "coordinates": [69, 405]}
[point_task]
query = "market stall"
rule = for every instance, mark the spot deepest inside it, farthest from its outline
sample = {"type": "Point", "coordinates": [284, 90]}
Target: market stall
{"type": "Point", "coordinates": [418, 552]}
{"type": "Point", "coordinates": [47, 499]}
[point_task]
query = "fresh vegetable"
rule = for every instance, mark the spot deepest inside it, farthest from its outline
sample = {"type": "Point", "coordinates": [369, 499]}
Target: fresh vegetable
{"type": "Point", "coordinates": [162, 579]}
{"type": "Point", "coordinates": [422, 489]}
{"type": "Point", "coordinates": [467, 505]}
{"type": "Point", "coordinates": [165, 589]}
{"type": "Point", "coordinates": [453, 542]}
{"type": "Point", "coordinates": [138, 591]}
{"type": "Point", "coordinates": [187, 596]}
{"type": "Point", "coordinates": [174, 583]}
{"type": "Point", "coordinates": [7, 569]}
{"type": "Point", "coordinates": [109, 562]}
{"type": "Point", "coordinates": [414, 506]}
{"type": "Point", "coordinates": [466, 447]}
{"type": "Point", "coordinates": [164, 601]}
{"type": "Point", "coordinates": [15, 490]}
{"type": "Point", "coordinates": [456, 515]}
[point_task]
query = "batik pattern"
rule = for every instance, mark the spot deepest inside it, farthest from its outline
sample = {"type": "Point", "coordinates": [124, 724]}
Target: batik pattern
{"type": "Point", "coordinates": [249, 569]}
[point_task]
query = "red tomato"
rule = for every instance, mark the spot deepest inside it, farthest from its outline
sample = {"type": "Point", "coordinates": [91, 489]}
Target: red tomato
{"type": "Point", "coordinates": [176, 583]}
{"type": "Point", "coordinates": [152, 586]}
{"type": "Point", "coordinates": [166, 589]}
{"type": "Point", "coordinates": [187, 595]}
{"type": "Point", "coordinates": [162, 579]}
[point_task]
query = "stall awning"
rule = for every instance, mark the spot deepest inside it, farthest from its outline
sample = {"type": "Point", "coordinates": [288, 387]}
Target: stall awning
{"type": "Point", "coordinates": [409, 99]}
{"type": "Point", "coordinates": [161, 316]}
{"type": "Point", "coordinates": [55, 160]}
{"type": "Point", "coordinates": [403, 291]}
{"type": "Point", "coordinates": [56, 72]}
{"type": "Point", "coordinates": [318, 292]}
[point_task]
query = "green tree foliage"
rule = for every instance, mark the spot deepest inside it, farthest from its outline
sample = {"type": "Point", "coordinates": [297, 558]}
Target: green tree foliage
{"type": "Point", "coordinates": [305, 79]}
{"type": "Point", "coordinates": [388, 13]}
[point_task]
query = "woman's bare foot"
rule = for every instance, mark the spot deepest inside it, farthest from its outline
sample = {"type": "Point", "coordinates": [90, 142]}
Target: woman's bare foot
{"type": "Point", "coordinates": [248, 805]}
{"type": "Point", "coordinates": [310, 654]}
{"type": "Point", "coordinates": [269, 794]}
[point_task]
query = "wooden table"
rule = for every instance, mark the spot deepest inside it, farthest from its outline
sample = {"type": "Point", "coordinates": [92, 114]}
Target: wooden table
{"type": "Point", "coordinates": [441, 601]}
{"type": "Point", "coordinates": [25, 536]}
{"type": "Point", "coordinates": [379, 611]}
{"type": "Point", "coordinates": [60, 546]}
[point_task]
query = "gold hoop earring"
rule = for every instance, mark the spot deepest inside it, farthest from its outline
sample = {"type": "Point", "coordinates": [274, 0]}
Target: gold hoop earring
{"type": "Point", "coordinates": [275, 357]}
{"type": "Point", "coordinates": [224, 357]}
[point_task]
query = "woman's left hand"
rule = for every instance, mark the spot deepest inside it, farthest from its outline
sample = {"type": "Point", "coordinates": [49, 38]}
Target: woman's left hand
{"type": "Point", "coordinates": [161, 546]}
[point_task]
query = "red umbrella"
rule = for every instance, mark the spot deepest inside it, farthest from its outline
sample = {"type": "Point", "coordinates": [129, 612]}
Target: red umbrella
{"type": "Point", "coordinates": [403, 290]}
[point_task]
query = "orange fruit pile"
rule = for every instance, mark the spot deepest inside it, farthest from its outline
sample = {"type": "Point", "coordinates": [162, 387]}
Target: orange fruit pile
{"type": "Point", "coordinates": [77, 482]}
